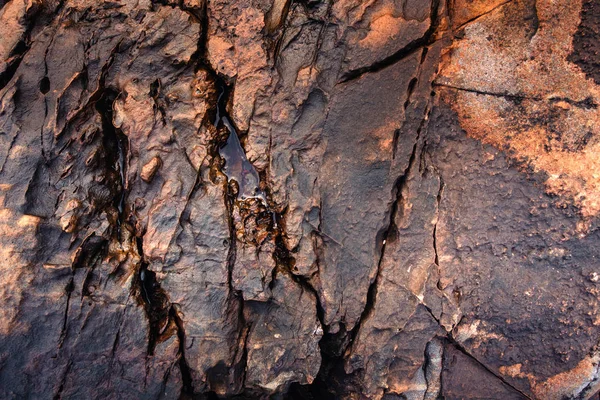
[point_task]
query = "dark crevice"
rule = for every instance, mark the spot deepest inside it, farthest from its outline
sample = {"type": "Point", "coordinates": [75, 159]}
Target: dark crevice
{"type": "Point", "coordinates": [155, 300]}
{"type": "Point", "coordinates": [395, 143]}
{"type": "Point", "coordinates": [226, 132]}
{"type": "Point", "coordinates": [236, 300]}
{"type": "Point", "coordinates": [390, 231]}
{"type": "Point", "coordinates": [158, 106]}
{"type": "Point", "coordinates": [276, 34]}
{"type": "Point", "coordinates": [285, 263]}
{"type": "Point", "coordinates": [44, 85]}
{"type": "Point", "coordinates": [437, 258]}
{"type": "Point", "coordinates": [45, 79]}
{"type": "Point", "coordinates": [517, 98]}
{"type": "Point", "coordinates": [399, 187]}
{"type": "Point", "coordinates": [404, 52]}
{"type": "Point", "coordinates": [330, 344]}
{"type": "Point", "coordinates": [435, 241]}
{"type": "Point", "coordinates": [241, 355]}
{"type": "Point", "coordinates": [588, 103]}
{"type": "Point", "coordinates": [186, 374]}
{"type": "Point", "coordinates": [332, 377]}
{"type": "Point", "coordinates": [89, 251]}
{"type": "Point", "coordinates": [235, 154]}
{"type": "Point", "coordinates": [87, 256]}
{"type": "Point", "coordinates": [411, 86]}
{"type": "Point", "coordinates": [459, 347]}
{"type": "Point", "coordinates": [68, 291]}
{"type": "Point", "coordinates": [409, 91]}
{"type": "Point", "coordinates": [431, 314]}
{"type": "Point", "coordinates": [63, 380]}
{"type": "Point", "coordinates": [237, 167]}
{"type": "Point", "coordinates": [97, 94]}
{"type": "Point", "coordinates": [116, 147]}
{"type": "Point", "coordinates": [203, 40]}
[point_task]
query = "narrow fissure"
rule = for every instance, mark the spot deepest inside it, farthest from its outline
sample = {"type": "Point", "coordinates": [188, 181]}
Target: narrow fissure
{"type": "Point", "coordinates": [427, 38]}
{"type": "Point", "coordinates": [155, 301]}
{"type": "Point", "coordinates": [61, 387]}
{"type": "Point", "coordinates": [69, 291]}
{"type": "Point", "coordinates": [186, 374]}
{"type": "Point", "coordinates": [483, 14]}
{"type": "Point", "coordinates": [116, 148]}
{"type": "Point", "coordinates": [398, 200]}
{"type": "Point", "coordinates": [44, 88]}
{"type": "Point", "coordinates": [513, 97]}
{"type": "Point", "coordinates": [399, 187]}
{"type": "Point", "coordinates": [335, 346]}
{"type": "Point", "coordinates": [459, 347]}
{"type": "Point", "coordinates": [434, 233]}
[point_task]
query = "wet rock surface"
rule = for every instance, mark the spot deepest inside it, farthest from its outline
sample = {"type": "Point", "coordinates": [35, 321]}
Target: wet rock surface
{"type": "Point", "coordinates": [299, 199]}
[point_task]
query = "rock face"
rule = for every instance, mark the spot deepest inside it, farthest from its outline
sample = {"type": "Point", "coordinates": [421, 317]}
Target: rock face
{"type": "Point", "coordinates": [358, 199]}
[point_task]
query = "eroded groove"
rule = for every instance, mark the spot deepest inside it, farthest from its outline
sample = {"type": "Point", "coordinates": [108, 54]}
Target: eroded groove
{"type": "Point", "coordinates": [535, 20]}
{"type": "Point", "coordinates": [404, 52]}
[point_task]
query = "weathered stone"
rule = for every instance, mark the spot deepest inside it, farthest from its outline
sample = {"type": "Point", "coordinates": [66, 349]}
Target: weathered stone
{"type": "Point", "coordinates": [310, 199]}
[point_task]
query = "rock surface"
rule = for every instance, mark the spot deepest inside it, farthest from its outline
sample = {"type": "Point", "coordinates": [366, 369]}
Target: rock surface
{"type": "Point", "coordinates": [358, 199]}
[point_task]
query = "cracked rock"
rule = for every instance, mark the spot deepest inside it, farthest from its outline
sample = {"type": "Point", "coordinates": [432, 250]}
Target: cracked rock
{"type": "Point", "coordinates": [316, 199]}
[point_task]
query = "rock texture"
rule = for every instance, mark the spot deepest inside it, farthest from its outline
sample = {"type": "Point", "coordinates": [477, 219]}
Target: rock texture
{"type": "Point", "coordinates": [309, 199]}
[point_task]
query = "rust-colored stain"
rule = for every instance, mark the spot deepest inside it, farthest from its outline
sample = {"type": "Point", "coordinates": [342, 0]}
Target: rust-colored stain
{"type": "Point", "coordinates": [570, 382]}
{"type": "Point", "coordinates": [463, 11]}
{"type": "Point", "coordinates": [508, 78]}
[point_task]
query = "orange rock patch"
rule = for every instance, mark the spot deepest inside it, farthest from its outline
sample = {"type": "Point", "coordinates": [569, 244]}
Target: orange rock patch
{"type": "Point", "coordinates": [511, 85]}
